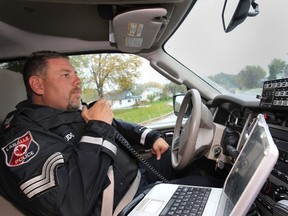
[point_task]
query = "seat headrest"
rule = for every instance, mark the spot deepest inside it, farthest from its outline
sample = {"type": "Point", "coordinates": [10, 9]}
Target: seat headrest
{"type": "Point", "coordinates": [12, 91]}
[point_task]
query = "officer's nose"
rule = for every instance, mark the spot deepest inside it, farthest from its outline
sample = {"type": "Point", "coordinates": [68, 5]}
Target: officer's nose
{"type": "Point", "coordinates": [77, 81]}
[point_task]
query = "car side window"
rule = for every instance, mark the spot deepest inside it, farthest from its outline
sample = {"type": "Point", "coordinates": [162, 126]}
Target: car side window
{"type": "Point", "coordinates": [136, 91]}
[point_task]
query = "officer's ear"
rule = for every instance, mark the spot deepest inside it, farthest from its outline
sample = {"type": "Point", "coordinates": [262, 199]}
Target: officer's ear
{"type": "Point", "coordinates": [36, 84]}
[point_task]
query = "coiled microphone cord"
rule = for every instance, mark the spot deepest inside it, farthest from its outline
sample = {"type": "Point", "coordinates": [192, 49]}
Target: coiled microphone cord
{"type": "Point", "coordinates": [135, 154]}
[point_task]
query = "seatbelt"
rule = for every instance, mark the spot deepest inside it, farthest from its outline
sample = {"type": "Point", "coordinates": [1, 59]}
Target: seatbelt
{"type": "Point", "coordinates": [128, 197]}
{"type": "Point", "coordinates": [108, 195]}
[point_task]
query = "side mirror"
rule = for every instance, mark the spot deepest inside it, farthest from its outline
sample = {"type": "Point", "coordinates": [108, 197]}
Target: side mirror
{"type": "Point", "coordinates": [235, 14]}
{"type": "Point", "coordinates": [177, 101]}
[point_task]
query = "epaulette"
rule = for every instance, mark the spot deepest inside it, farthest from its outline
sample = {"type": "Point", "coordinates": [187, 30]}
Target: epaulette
{"type": "Point", "coordinates": [8, 120]}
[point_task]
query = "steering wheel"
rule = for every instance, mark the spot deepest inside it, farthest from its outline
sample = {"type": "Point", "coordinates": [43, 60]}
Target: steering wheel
{"type": "Point", "coordinates": [197, 132]}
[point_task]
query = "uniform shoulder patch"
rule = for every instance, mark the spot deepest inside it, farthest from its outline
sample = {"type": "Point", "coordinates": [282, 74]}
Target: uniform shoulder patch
{"type": "Point", "coordinates": [21, 150]}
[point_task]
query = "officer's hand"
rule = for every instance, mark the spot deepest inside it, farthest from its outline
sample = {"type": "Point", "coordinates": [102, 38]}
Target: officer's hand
{"type": "Point", "coordinates": [101, 111]}
{"type": "Point", "coordinates": [159, 147]}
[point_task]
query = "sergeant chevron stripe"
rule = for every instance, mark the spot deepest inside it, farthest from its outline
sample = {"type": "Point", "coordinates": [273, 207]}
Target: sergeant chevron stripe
{"type": "Point", "coordinates": [44, 181]}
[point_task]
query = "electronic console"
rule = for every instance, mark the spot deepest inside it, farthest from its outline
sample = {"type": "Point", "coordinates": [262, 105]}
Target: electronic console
{"type": "Point", "coordinates": [273, 199]}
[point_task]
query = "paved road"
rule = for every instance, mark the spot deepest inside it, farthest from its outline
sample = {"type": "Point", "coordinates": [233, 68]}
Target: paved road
{"type": "Point", "coordinates": [171, 118]}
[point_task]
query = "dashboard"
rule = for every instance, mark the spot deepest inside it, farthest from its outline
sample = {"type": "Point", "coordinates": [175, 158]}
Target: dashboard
{"type": "Point", "coordinates": [238, 113]}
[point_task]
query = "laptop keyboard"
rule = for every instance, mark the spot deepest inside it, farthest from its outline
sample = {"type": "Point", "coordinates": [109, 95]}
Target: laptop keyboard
{"type": "Point", "coordinates": [187, 201]}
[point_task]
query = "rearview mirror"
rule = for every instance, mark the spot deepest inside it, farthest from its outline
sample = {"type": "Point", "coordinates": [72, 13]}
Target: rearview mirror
{"type": "Point", "coordinates": [235, 13]}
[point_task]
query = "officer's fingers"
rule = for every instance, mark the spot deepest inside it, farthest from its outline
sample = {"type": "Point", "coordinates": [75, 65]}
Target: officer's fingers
{"type": "Point", "coordinates": [84, 108]}
{"type": "Point", "coordinates": [156, 152]}
{"type": "Point", "coordinates": [164, 149]}
{"type": "Point", "coordinates": [102, 104]}
{"type": "Point", "coordinates": [105, 102]}
{"type": "Point", "coordinates": [101, 100]}
{"type": "Point", "coordinates": [158, 155]}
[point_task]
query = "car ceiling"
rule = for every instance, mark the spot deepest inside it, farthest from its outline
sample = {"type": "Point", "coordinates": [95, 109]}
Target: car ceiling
{"type": "Point", "coordinates": [77, 26]}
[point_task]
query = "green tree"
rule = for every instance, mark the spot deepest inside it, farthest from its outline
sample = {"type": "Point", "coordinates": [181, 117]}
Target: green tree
{"type": "Point", "coordinates": [226, 80]}
{"type": "Point", "coordinates": [89, 95]}
{"type": "Point", "coordinates": [277, 67]}
{"type": "Point", "coordinates": [138, 89]}
{"type": "Point", "coordinates": [152, 84]}
{"type": "Point", "coordinates": [173, 88]}
{"type": "Point", "coordinates": [151, 97]}
{"type": "Point", "coordinates": [107, 71]}
{"type": "Point", "coordinates": [250, 77]}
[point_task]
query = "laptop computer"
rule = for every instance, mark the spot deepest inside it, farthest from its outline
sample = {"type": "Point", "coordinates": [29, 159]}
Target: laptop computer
{"type": "Point", "coordinates": [243, 183]}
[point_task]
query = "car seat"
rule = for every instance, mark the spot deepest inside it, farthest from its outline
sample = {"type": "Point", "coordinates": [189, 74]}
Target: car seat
{"type": "Point", "coordinates": [12, 91]}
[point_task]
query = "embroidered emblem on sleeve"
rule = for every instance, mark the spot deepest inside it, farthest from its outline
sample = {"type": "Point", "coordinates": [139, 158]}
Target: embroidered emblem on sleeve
{"type": "Point", "coordinates": [21, 150]}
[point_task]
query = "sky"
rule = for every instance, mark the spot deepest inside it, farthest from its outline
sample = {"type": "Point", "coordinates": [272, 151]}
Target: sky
{"type": "Point", "coordinates": [205, 48]}
{"type": "Point", "coordinates": [148, 74]}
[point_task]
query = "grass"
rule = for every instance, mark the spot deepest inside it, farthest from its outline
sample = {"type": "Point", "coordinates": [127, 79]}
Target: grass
{"type": "Point", "coordinates": [147, 112]}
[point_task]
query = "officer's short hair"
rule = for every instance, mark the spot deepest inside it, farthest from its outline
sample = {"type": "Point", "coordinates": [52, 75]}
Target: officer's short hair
{"type": "Point", "coordinates": [36, 64]}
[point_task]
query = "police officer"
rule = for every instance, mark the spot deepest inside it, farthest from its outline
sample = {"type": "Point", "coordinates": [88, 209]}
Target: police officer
{"type": "Point", "coordinates": [59, 158]}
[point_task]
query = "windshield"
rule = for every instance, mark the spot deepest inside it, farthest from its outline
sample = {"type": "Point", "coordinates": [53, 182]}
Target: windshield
{"type": "Point", "coordinates": [238, 61]}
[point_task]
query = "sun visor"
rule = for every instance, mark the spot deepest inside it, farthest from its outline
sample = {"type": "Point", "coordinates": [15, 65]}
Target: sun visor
{"type": "Point", "coordinates": [136, 30]}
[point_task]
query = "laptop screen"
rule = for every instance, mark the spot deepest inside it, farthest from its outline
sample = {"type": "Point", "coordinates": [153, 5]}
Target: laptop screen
{"type": "Point", "coordinates": [253, 152]}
